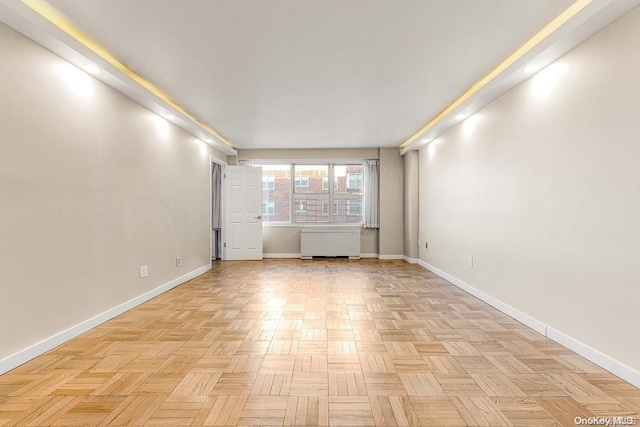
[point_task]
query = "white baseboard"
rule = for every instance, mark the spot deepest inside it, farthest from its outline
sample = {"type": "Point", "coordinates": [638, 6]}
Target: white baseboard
{"type": "Point", "coordinates": [521, 317]}
{"type": "Point", "coordinates": [410, 260]}
{"type": "Point", "coordinates": [366, 255]}
{"type": "Point", "coordinates": [391, 256]}
{"type": "Point", "coordinates": [612, 365]}
{"type": "Point", "coordinates": [272, 255]}
{"type": "Point", "coordinates": [14, 360]}
{"type": "Point", "coordinates": [369, 255]}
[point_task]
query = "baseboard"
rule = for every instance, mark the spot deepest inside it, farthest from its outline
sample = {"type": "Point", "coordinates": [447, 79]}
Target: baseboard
{"type": "Point", "coordinates": [369, 255]}
{"type": "Point", "coordinates": [366, 255]}
{"type": "Point", "coordinates": [612, 365]}
{"type": "Point", "coordinates": [14, 360]}
{"type": "Point", "coordinates": [410, 260]}
{"type": "Point", "coordinates": [273, 255]}
{"type": "Point", "coordinates": [391, 256]}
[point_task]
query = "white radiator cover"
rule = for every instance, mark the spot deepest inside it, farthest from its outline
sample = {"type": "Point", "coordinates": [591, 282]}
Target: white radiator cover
{"type": "Point", "coordinates": [323, 242]}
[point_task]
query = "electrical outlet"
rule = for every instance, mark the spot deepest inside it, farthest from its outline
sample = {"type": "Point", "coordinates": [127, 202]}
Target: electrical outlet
{"type": "Point", "coordinates": [178, 262]}
{"type": "Point", "coordinates": [470, 261]}
{"type": "Point", "coordinates": [144, 271]}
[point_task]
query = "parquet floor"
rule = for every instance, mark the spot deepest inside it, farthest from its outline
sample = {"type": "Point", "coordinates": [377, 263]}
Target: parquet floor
{"type": "Point", "coordinates": [331, 342]}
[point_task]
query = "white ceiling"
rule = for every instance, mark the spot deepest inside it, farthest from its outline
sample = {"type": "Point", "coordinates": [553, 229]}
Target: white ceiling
{"type": "Point", "coordinates": [312, 73]}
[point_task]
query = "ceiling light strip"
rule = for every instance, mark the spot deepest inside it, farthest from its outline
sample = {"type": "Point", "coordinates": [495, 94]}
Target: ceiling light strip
{"type": "Point", "coordinates": [548, 29]}
{"type": "Point", "coordinates": [53, 15]}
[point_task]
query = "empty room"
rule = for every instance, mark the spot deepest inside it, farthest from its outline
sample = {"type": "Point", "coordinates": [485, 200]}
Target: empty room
{"type": "Point", "coordinates": [319, 212]}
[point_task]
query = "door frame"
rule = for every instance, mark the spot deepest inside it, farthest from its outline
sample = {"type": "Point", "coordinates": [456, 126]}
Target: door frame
{"type": "Point", "coordinates": [213, 159]}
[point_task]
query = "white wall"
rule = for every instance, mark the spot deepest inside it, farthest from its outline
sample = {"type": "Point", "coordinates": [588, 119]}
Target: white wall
{"type": "Point", "coordinates": [391, 203]}
{"type": "Point", "coordinates": [90, 189]}
{"type": "Point", "coordinates": [410, 201]}
{"type": "Point", "coordinates": [542, 187]}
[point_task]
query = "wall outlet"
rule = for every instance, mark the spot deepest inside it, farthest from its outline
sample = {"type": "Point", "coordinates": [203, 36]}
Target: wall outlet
{"type": "Point", "coordinates": [178, 262]}
{"type": "Point", "coordinates": [144, 271]}
{"type": "Point", "coordinates": [470, 261]}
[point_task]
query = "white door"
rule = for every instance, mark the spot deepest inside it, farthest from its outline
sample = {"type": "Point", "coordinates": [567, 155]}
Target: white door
{"type": "Point", "coordinates": [243, 213]}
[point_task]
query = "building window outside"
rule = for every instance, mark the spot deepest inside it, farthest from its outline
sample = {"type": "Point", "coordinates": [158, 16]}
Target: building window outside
{"type": "Point", "coordinates": [354, 180]}
{"type": "Point", "coordinates": [268, 182]}
{"type": "Point", "coordinates": [302, 206]}
{"type": "Point", "coordinates": [302, 181]}
{"type": "Point", "coordinates": [325, 184]}
{"type": "Point", "coordinates": [269, 208]}
{"type": "Point", "coordinates": [354, 207]}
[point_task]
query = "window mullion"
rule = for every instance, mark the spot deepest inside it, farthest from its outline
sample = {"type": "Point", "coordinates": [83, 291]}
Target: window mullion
{"type": "Point", "coordinates": [330, 189]}
{"type": "Point", "coordinates": [292, 186]}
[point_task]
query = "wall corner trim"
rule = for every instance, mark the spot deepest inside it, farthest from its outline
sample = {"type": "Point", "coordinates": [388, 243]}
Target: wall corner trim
{"type": "Point", "coordinates": [605, 361]}
{"type": "Point", "coordinates": [410, 260]}
{"type": "Point", "coordinates": [22, 356]}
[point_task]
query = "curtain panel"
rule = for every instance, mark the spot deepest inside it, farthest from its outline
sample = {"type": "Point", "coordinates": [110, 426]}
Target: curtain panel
{"type": "Point", "coordinates": [371, 194]}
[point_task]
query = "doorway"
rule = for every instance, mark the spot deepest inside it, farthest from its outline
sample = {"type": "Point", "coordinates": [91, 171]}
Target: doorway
{"type": "Point", "coordinates": [217, 172]}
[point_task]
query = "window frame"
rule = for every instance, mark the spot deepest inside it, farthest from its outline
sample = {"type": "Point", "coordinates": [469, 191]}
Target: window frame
{"type": "Point", "coordinates": [330, 192]}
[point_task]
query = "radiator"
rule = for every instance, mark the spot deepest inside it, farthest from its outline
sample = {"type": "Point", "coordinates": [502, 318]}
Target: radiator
{"type": "Point", "coordinates": [330, 243]}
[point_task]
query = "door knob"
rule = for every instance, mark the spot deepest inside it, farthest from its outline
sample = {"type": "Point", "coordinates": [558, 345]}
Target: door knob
{"type": "Point", "coordinates": [259, 217]}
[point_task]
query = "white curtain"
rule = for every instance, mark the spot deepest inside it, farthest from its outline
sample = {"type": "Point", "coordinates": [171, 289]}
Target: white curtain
{"type": "Point", "coordinates": [371, 197]}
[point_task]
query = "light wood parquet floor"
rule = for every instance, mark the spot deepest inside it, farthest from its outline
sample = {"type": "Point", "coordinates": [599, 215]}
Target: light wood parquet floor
{"type": "Point", "coordinates": [324, 342]}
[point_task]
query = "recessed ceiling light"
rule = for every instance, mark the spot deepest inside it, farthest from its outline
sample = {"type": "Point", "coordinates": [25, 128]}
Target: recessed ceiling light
{"type": "Point", "coordinates": [91, 68]}
{"type": "Point", "coordinates": [460, 117]}
{"type": "Point", "coordinates": [170, 117]}
{"type": "Point", "coordinates": [207, 140]}
{"type": "Point", "coordinates": [425, 140]}
{"type": "Point", "coordinates": [533, 68]}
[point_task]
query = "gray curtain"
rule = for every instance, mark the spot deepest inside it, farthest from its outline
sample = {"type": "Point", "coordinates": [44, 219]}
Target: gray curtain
{"type": "Point", "coordinates": [371, 194]}
{"type": "Point", "coordinates": [216, 187]}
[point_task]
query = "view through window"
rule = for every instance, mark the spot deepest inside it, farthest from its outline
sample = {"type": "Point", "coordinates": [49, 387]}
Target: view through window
{"type": "Point", "coordinates": [300, 193]}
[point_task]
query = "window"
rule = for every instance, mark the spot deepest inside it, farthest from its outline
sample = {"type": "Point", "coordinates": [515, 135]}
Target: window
{"type": "Point", "coordinates": [354, 181]}
{"type": "Point", "coordinates": [325, 184]}
{"type": "Point", "coordinates": [300, 193]}
{"type": "Point", "coordinates": [354, 207]}
{"type": "Point", "coordinates": [302, 206]}
{"type": "Point", "coordinates": [276, 192]}
{"type": "Point", "coordinates": [312, 193]}
{"type": "Point", "coordinates": [348, 195]}
{"type": "Point", "coordinates": [269, 208]}
{"type": "Point", "coordinates": [268, 182]}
